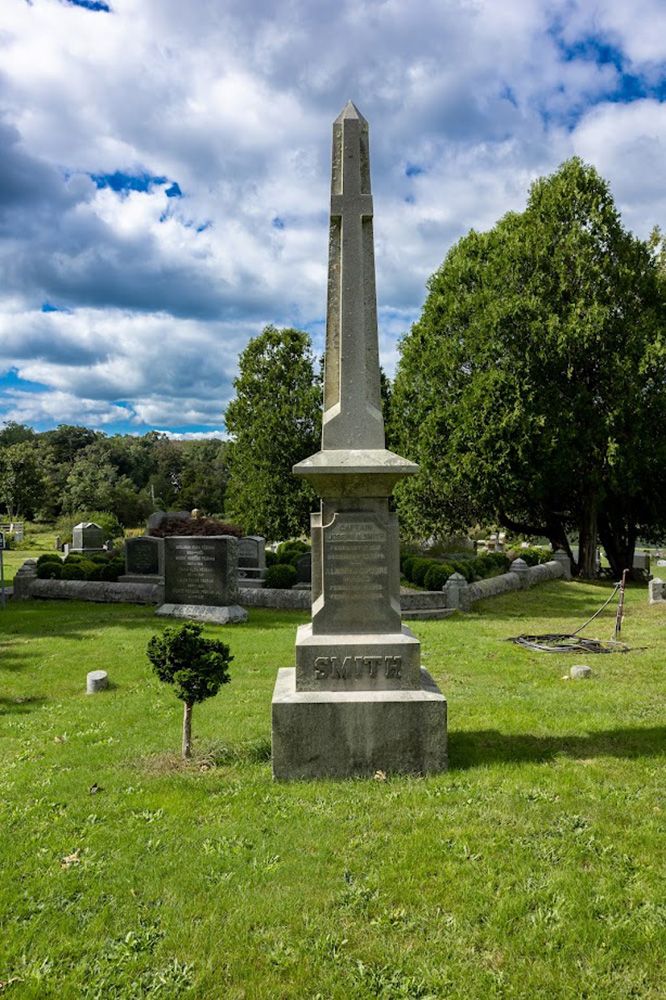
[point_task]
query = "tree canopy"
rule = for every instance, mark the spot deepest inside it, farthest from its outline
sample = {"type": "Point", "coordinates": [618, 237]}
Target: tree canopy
{"type": "Point", "coordinates": [531, 388]}
{"type": "Point", "coordinates": [274, 422]}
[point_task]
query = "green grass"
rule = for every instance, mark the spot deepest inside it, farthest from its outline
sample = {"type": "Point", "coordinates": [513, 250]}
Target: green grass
{"type": "Point", "coordinates": [531, 869]}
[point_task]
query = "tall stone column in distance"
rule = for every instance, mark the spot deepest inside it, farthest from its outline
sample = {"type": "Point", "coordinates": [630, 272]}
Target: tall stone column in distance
{"type": "Point", "coordinates": [358, 700]}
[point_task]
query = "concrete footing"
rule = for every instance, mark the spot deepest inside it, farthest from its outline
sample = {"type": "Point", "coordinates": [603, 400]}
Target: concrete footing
{"type": "Point", "coordinates": [342, 734]}
{"type": "Point", "coordinates": [228, 614]}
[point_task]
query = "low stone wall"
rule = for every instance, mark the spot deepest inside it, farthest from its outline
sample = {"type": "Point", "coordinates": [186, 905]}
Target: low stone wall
{"type": "Point", "coordinates": [519, 577]}
{"type": "Point", "coordinates": [96, 590]}
{"type": "Point", "coordinates": [282, 600]}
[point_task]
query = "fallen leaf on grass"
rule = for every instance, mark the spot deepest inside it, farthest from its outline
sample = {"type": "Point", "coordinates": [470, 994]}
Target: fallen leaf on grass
{"type": "Point", "coordinates": [95, 788]}
{"type": "Point", "coordinates": [71, 859]}
{"type": "Point", "coordinates": [380, 776]}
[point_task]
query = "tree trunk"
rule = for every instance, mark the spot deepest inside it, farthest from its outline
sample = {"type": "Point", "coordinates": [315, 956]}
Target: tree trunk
{"type": "Point", "coordinates": [619, 542]}
{"type": "Point", "coordinates": [187, 731]}
{"type": "Point", "coordinates": [587, 541]}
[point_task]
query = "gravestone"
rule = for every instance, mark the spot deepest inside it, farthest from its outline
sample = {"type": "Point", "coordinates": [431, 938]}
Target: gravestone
{"type": "Point", "coordinates": [144, 560]}
{"type": "Point", "coordinates": [358, 700]}
{"type": "Point", "coordinates": [251, 561]}
{"type": "Point", "coordinates": [201, 578]}
{"type": "Point", "coordinates": [304, 568]}
{"type": "Point", "coordinates": [87, 537]}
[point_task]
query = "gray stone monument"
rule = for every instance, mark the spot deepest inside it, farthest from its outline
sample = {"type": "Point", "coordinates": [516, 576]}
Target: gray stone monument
{"type": "Point", "coordinates": [251, 561]}
{"type": "Point", "coordinates": [87, 537]}
{"type": "Point", "coordinates": [144, 560]}
{"type": "Point", "coordinates": [358, 700]}
{"type": "Point", "coordinates": [201, 579]}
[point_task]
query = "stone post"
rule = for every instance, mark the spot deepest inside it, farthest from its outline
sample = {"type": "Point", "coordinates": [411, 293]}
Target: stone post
{"type": "Point", "coordinates": [456, 589]}
{"type": "Point", "coordinates": [560, 556]}
{"type": "Point", "coordinates": [24, 577]}
{"type": "Point", "coordinates": [522, 570]}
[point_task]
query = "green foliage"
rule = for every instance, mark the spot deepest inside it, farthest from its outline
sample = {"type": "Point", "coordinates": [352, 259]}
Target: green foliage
{"type": "Point", "coordinates": [491, 564]}
{"type": "Point", "coordinates": [73, 570]}
{"type": "Point", "coordinates": [48, 557]}
{"type": "Point", "coordinates": [49, 570]}
{"type": "Point", "coordinates": [108, 522]}
{"type": "Point", "coordinates": [437, 575]}
{"type": "Point", "coordinates": [22, 483]}
{"type": "Point", "coordinates": [533, 555]}
{"type": "Point", "coordinates": [274, 422]}
{"type": "Point", "coordinates": [74, 557]}
{"type": "Point", "coordinates": [529, 390]}
{"type": "Point", "coordinates": [271, 558]}
{"type": "Point", "coordinates": [280, 576]}
{"type": "Point", "coordinates": [111, 570]}
{"type": "Point", "coordinates": [196, 666]}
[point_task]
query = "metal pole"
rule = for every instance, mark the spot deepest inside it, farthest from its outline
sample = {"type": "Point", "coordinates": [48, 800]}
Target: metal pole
{"type": "Point", "coordinates": [620, 607]}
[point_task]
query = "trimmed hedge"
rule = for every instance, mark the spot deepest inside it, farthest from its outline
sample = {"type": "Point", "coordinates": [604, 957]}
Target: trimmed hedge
{"type": "Point", "coordinates": [49, 557]}
{"type": "Point", "coordinates": [50, 570]}
{"type": "Point", "coordinates": [281, 576]}
{"type": "Point", "coordinates": [437, 575]}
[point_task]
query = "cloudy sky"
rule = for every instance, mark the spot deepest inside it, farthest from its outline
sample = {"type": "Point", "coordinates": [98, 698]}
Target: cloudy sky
{"type": "Point", "coordinates": [164, 172]}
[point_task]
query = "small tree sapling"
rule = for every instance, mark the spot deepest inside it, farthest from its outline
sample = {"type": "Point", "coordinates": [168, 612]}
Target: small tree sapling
{"type": "Point", "coordinates": [197, 668]}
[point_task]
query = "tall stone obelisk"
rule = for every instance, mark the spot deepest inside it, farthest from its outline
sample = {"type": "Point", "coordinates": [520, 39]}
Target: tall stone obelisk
{"type": "Point", "coordinates": [358, 700]}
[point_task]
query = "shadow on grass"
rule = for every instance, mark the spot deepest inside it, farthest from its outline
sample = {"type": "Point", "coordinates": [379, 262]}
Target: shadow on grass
{"type": "Point", "coordinates": [488, 746]}
{"type": "Point", "coordinates": [20, 705]}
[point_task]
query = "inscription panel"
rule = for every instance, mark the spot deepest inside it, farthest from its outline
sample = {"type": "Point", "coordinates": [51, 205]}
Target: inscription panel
{"type": "Point", "coordinates": [358, 576]}
{"type": "Point", "coordinates": [143, 555]}
{"type": "Point", "coordinates": [201, 570]}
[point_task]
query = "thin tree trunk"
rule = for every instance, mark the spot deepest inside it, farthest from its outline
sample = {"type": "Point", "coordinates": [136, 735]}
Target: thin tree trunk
{"type": "Point", "coordinates": [187, 731]}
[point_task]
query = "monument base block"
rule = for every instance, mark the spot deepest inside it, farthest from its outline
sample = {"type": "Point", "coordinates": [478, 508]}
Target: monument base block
{"type": "Point", "coordinates": [343, 734]}
{"type": "Point", "coordinates": [357, 662]}
{"type": "Point", "coordinates": [207, 613]}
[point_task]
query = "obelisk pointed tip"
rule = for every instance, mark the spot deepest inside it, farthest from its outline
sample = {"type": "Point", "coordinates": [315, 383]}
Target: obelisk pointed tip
{"type": "Point", "coordinates": [350, 111]}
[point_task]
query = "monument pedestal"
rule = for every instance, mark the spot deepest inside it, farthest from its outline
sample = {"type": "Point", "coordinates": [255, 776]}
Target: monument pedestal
{"type": "Point", "coordinates": [344, 734]}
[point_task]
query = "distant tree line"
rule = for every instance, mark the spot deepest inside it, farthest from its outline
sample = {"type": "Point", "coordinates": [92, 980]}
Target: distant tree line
{"type": "Point", "coordinates": [69, 469]}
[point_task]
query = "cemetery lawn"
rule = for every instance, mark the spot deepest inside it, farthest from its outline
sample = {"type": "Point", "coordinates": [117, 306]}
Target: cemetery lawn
{"type": "Point", "coordinates": [533, 868]}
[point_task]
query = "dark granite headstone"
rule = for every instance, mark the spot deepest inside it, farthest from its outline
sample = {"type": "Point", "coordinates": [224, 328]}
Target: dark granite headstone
{"type": "Point", "coordinates": [304, 568]}
{"type": "Point", "coordinates": [144, 556]}
{"type": "Point", "coordinates": [87, 536]}
{"type": "Point", "coordinates": [201, 570]}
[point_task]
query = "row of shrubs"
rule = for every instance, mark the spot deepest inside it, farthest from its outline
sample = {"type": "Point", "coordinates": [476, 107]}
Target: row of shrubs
{"type": "Point", "coordinates": [281, 571]}
{"type": "Point", "coordinates": [433, 573]}
{"type": "Point", "coordinates": [98, 566]}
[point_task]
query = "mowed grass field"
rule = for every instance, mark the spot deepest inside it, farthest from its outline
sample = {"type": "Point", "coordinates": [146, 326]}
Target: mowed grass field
{"type": "Point", "coordinates": [533, 868]}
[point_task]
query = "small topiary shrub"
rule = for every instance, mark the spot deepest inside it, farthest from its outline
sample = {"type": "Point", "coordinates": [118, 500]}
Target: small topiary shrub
{"type": "Point", "coordinates": [281, 576]}
{"type": "Point", "coordinates": [271, 558]}
{"type": "Point", "coordinates": [408, 567]}
{"type": "Point", "coordinates": [50, 570]}
{"type": "Point", "coordinates": [419, 569]}
{"type": "Point", "coordinates": [73, 571]}
{"type": "Point", "coordinates": [534, 555]}
{"type": "Point", "coordinates": [196, 667]}
{"type": "Point", "coordinates": [111, 571]}
{"type": "Point", "coordinates": [49, 557]}
{"type": "Point", "coordinates": [288, 552]}
{"type": "Point", "coordinates": [437, 575]}
{"type": "Point", "coordinates": [464, 567]}
{"type": "Point", "coordinates": [73, 557]}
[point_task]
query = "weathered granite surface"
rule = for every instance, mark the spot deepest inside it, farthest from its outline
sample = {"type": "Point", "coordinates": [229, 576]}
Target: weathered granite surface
{"type": "Point", "coordinates": [96, 680]}
{"type": "Point", "coordinates": [201, 569]}
{"type": "Point", "coordinates": [340, 733]}
{"type": "Point", "coordinates": [227, 614]}
{"type": "Point", "coordinates": [144, 556]}
{"type": "Point", "coordinates": [96, 590]}
{"type": "Point", "coordinates": [656, 590]}
{"type": "Point", "coordinates": [356, 701]}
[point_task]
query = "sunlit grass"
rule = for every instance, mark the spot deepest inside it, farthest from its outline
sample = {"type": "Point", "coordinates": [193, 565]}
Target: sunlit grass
{"type": "Point", "coordinates": [530, 869]}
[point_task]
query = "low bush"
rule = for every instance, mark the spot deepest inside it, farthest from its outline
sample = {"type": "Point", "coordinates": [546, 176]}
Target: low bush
{"type": "Point", "coordinates": [50, 570]}
{"type": "Point", "coordinates": [534, 555]}
{"type": "Point", "coordinates": [271, 558]}
{"type": "Point", "coordinates": [437, 575]}
{"type": "Point", "coordinates": [49, 557]}
{"type": "Point", "coordinates": [419, 569]}
{"type": "Point", "coordinates": [491, 564]}
{"type": "Point", "coordinates": [111, 571]}
{"type": "Point", "coordinates": [194, 526]}
{"type": "Point", "coordinates": [464, 567]}
{"type": "Point", "coordinates": [407, 566]}
{"type": "Point", "coordinates": [288, 552]}
{"type": "Point", "coordinates": [73, 571]}
{"type": "Point", "coordinates": [280, 576]}
{"type": "Point", "coordinates": [74, 557]}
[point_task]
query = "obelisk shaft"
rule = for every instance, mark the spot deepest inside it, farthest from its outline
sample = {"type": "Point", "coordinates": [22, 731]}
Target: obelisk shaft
{"type": "Point", "coordinates": [352, 399]}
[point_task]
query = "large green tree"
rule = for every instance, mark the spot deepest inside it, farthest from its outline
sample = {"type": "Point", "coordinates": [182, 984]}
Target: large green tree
{"type": "Point", "coordinates": [22, 483]}
{"type": "Point", "coordinates": [274, 422]}
{"type": "Point", "coordinates": [530, 389]}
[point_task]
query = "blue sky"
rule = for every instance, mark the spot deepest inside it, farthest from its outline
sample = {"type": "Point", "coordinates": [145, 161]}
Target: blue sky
{"type": "Point", "coordinates": [164, 172]}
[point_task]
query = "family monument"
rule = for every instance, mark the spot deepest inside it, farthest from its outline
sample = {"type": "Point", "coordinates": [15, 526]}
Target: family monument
{"type": "Point", "coordinates": [358, 700]}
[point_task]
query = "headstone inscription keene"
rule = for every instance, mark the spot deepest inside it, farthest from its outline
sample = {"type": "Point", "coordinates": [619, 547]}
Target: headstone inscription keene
{"type": "Point", "coordinates": [358, 700]}
{"type": "Point", "coordinates": [201, 578]}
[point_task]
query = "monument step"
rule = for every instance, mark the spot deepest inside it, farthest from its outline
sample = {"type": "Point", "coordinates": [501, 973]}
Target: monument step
{"type": "Point", "coordinates": [421, 614]}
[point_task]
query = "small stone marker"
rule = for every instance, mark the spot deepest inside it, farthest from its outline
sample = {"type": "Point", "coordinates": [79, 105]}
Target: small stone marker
{"type": "Point", "coordinates": [144, 560]}
{"type": "Point", "coordinates": [96, 680]}
{"type": "Point", "coordinates": [87, 537]}
{"type": "Point", "coordinates": [580, 672]}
